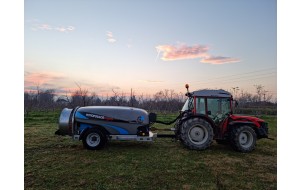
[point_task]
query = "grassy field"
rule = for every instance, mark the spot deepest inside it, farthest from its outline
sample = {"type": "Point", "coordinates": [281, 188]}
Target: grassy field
{"type": "Point", "coordinates": [56, 162]}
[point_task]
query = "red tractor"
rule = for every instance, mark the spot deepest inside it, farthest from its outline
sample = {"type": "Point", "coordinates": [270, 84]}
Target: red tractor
{"type": "Point", "coordinates": [207, 115]}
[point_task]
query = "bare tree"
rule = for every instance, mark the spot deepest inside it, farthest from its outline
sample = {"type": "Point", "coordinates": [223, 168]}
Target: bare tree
{"type": "Point", "coordinates": [80, 96]}
{"type": "Point", "coordinates": [29, 101]}
{"type": "Point", "coordinates": [259, 91]}
{"type": "Point", "coordinates": [46, 99]}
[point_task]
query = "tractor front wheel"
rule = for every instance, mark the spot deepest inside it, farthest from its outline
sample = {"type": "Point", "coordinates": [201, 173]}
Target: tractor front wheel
{"type": "Point", "coordinates": [94, 139]}
{"type": "Point", "coordinates": [197, 134]}
{"type": "Point", "coordinates": [243, 138]}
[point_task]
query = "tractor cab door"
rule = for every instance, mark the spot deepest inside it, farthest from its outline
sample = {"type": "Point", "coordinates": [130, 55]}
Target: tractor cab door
{"type": "Point", "coordinates": [217, 109]}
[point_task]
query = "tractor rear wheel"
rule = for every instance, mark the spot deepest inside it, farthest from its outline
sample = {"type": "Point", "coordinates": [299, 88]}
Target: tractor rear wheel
{"type": "Point", "coordinates": [243, 138]}
{"type": "Point", "coordinates": [94, 139]}
{"type": "Point", "coordinates": [196, 134]}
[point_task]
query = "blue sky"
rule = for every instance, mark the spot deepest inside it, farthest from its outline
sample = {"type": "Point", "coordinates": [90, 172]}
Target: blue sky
{"type": "Point", "coordinates": [150, 45]}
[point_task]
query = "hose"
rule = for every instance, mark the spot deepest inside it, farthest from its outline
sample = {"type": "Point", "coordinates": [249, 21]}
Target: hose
{"type": "Point", "coordinates": [168, 123]}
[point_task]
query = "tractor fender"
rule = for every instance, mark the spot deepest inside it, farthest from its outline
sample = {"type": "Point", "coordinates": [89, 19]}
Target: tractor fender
{"type": "Point", "coordinates": [102, 129]}
{"type": "Point", "coordinates": [261, 132]}
{"type": "Point", "coordinates": [202, 116]}
{"type": "Point", "coordinates": [257, 129]}
{"type": "Point", "coordinates": [242, 123]}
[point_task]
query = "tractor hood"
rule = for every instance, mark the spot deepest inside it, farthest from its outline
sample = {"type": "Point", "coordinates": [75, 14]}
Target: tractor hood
{"type": "Point", "coordinates": [262, 128]}
{"type": "Point", "coordinates": [255, 120]}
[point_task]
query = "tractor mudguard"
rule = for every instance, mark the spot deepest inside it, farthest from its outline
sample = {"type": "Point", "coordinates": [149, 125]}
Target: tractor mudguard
{"type": "Point", "coordinates": [261, 131]}
{"type": "Point", "coordinates": [208, 119]}
{"type": "Point", "coordinates": [243, 122]}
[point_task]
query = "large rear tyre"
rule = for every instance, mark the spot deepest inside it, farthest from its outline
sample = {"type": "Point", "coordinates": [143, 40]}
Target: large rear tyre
{"type": "Point", "coordinates": [94, 139]}
{"type": "Point", "coordinates": [243, 138]}
{"type": "Point", "coordinates": [196, 134]}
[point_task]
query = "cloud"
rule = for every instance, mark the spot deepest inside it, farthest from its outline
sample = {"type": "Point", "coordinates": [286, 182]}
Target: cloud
{"type": "Point", "coordinates": [70, 28]}
{"type": "Point", "coordinates": [45, 27]}
{"type": "Point", "coordinates": [37, 26]}
{"type": "Point", "coordinates": [179, 52]}
{"type": "Point", "coordinates": [62, 84]}
{"type": "Point", "coordinates": [65, 29]}
{"type": "Point", "coordinates": [170, 52]}
{"type": "Point", "coordinates": [111, 40]}
{"type": "Point", "coordinates": [42, 79]}
{"type": "Point", "coordinates": [219, 60]}
{"type": "Point", "coordinates": [109, 34]}
{"type": "Point", "coordinates": [110, 37]}
{"type": "Point", "coordinates": [60, 29]}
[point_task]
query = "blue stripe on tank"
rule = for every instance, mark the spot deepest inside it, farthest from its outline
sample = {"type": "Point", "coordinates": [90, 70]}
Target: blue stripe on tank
{"type": "Point", "coordinates": [80, 116]}
{"type": "Point", "coordinates": [119, 129]}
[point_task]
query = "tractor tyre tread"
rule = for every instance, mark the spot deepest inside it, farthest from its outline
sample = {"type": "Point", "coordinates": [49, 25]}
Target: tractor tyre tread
{"type": "Point", "coordinates": [187, 125]}
{"type": "Point", "coordinates": [234, 140]}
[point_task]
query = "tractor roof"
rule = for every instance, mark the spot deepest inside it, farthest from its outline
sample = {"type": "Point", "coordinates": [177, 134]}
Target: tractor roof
{"type": "Point", "coordinates": [212, 93]}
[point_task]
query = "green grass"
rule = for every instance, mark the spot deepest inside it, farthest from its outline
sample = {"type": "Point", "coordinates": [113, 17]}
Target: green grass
{"type": "Point", "coordinates": [56, 162]}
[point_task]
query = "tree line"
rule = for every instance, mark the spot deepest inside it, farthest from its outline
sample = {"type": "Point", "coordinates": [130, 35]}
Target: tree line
{"type": "Point", "coordinates": [163, 101]}
{"type": "Point", "coordinates": [47, 100]}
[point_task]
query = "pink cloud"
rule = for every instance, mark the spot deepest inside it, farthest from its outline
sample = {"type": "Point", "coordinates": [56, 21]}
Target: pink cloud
{"type": "Point", "coordinates": [171, 52]}
{"type": "Point", "coordinates": [110, 37]}
{"type": "Point", "coordinates": [179, 52]}
{"type": "Point", "coordinates": [62, 84]}
{"type": "Point", "coordinates": [45, 78]}
{"type": "Point", "coordinates": [109, 34]}
{"type": "Point", "coordinates": [219, 60]}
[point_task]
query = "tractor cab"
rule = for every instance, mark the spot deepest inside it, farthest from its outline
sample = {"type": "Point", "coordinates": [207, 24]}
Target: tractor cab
{"type": "Point", "coordinates": [213, 104]}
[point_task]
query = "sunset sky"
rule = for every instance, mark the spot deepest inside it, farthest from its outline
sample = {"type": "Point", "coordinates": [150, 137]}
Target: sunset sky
{"type": "Point", "coordinates": [150, 45]}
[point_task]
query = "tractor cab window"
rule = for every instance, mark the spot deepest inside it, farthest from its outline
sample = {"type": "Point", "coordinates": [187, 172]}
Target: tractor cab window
{"type": "Point", "coordinates": [200, 105]}
{"type": "Point", "coordinates": [217, 108]}
{"type": "Point", "coordinates": [188, 105]}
